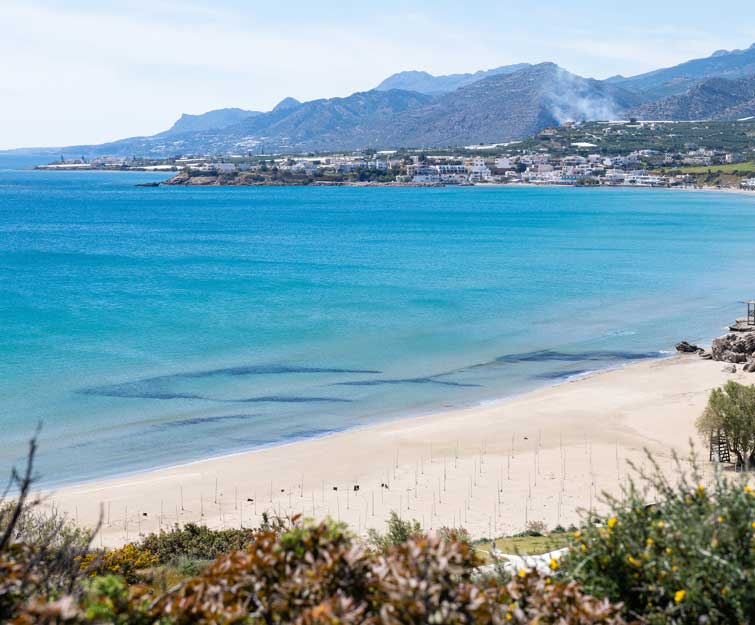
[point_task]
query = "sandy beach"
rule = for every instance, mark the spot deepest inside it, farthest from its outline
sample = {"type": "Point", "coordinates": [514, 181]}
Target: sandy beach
{"type": "Point", "coordinates": [491, 468]}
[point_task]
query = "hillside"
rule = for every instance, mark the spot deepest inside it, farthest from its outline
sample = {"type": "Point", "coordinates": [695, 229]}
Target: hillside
{"type": "Point", "coordinates": [497, 108]}
{"type": "Point", "coordinates": [212, 120]}
{"type": "Point", "coordinates": [426, 83]}
{"type": "Point", "coordinates": [716, 98]}
{"type": "Point", "coordinates": [510, 106]}
{"type": "Point", "coordinates": [418, 109]}
{"type": "Point", "coordinates": [679, 78]}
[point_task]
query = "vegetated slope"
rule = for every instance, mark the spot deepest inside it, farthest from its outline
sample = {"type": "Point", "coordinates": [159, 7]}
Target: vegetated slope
{"type": "Point", "coordinates": [716, 98]}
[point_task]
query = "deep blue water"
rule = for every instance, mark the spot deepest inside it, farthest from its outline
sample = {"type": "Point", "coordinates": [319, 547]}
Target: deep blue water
{"type": "Point", "coordinates": [149, 326]}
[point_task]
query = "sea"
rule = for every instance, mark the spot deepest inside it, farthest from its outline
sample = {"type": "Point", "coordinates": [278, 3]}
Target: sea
{"type": "Point", "coordinates": [147, 327]}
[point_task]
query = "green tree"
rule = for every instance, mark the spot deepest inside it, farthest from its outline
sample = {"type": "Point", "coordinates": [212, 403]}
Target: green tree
{"type": "Point", "coordinates": [731, 411]}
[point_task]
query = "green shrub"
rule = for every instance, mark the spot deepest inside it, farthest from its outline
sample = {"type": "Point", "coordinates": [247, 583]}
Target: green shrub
{"type": "Point", "coordinates": [688, 558]}
{"type": "Point", "coordinates": [319, 575]}
{"type": "Point", "coordinates": [198, 542]}
{"type": "Point", "coordinates": [399, 531]}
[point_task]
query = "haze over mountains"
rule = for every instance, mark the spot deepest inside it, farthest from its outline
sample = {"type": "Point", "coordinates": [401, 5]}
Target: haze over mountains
{"type": "Point", "coordinates": [417, 109]}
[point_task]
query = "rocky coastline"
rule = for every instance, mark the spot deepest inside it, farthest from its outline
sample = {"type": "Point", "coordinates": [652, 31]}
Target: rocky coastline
{"type": "Point", "coordinates": [737, 347]}
{"type": "Point", "coordinates": [246, 179]}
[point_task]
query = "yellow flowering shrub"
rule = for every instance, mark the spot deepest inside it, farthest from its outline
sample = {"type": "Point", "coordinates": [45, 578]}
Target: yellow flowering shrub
{"type": "Point", "coordinates": [126, 561]}
{"type": "Point", "coordinates": [685, 556]}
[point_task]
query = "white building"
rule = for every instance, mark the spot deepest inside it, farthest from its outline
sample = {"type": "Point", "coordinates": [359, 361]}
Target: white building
{"type": "Point", "coordinates": [478, 171]}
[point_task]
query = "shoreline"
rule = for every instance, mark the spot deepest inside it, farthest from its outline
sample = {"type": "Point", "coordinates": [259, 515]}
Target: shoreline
{"type": "Point", "coordinates": [394, 417]}
{"type": "Point", "coordinates": [394, 185]}
{"type": "Point", "coordinates": [459, 467]}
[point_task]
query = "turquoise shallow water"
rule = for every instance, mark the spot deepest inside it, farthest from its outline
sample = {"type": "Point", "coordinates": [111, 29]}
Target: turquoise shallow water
{"type": "Point", "coordinates": [146, 327]}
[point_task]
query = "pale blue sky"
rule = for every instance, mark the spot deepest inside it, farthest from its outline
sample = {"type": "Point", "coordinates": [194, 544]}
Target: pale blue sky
{"type": "Point", "coordinates": [85, 71]}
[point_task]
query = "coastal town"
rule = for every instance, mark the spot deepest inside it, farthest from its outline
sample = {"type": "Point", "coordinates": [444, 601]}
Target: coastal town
{"type": "Point", "coordinates": [590, 154]}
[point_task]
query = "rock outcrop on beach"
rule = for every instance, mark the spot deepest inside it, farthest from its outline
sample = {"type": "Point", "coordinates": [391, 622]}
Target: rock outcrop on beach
{"type": "Point", "coordinates": [687, 348]}
{"type": "Point", "coordinates": [736, 347]}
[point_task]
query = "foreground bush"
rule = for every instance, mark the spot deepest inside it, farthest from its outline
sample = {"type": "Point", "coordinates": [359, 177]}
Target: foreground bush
{"type": "Point", "coordinates": [690, 558]}
{"type": "Point", "coordinates": [319, 575]}
{"type": "Point", "coordinates": [40, 553]}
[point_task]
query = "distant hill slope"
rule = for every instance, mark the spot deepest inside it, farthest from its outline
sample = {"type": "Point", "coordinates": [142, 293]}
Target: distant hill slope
{"type": "Point", "coordinates": [493, 106]}
{"type": "Point", "coordinates": [716, 98]}
{"type": "Point", "coordinates": [423, 82]}
{"type": "Point", "coordinates": [497, 108]}
{"type": "Point", "coordinates": [679, 78]}
{"type": "Point", "coordinates": [510, 106]}
{"type": "Point", "coordinates": [286, 104]}
{"type": "Point", "coordinates": [337, 123]}
{"type": "Point", "coordinates": [325, 124]}
{"type": "Point", "coordinates": [212, 120]}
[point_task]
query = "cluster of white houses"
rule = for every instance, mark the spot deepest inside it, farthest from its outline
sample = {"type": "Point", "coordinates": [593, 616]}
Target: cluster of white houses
{"type": "Point", "coordinates": [646, 168]}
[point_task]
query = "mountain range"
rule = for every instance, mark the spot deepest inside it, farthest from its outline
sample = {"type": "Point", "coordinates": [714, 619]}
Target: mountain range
{"type": "Point", "coordinates": [422, 82]}
{"type": "Point", "coordinates": [417, 109]}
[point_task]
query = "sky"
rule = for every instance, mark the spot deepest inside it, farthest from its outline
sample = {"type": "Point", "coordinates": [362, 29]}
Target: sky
{"type": "Point", "coordinates": [89, 71]}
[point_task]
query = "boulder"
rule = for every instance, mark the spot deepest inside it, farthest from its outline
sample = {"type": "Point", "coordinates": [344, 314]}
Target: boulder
{"type": "Point", "coordinates": [686, 348]}
{"type": "Point", "coordinates": [750, 366]}
{"type": "Point", "coordinates": [706, 356]}
{"type": "Point", "coordinates": [733, 347]}
{"type": "Point", "coordinates": [729, 369]}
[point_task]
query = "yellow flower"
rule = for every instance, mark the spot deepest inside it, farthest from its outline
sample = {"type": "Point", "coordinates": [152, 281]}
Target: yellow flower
{"type": "Point", "coordinates": [753, 525]}
{"type": "Point", "coordinates": [679, 595]}
{"type": "Point", "coordinates": [700, 489]}
{"type": "Point", "coordinates": [633, 561]}
{"type": "Point", "coordinates": [675, 568]}
{"type": "Point", "coordinates": [668, 551]}
{"type": "Point", "coordinates": [577, 534]}
{"type": "Point", "coordinates": [611, 522]}
{"type": "Point", "coordinates": [583, 547]}
{"type": "Point", "coordinates": [554, 564]}
{"type": "Point", "coordinates": [749, 489]}
{"type": "Point", "coordinates": [522, 573]}
{"type": "Point", "coordinates": [721, 519]}
{"type": "Point", "coordinates": [660, 525]}
{"type": "Point", "coordinates": [649, 542]}
{"type": "Point", "coordinates": [508, 616]}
